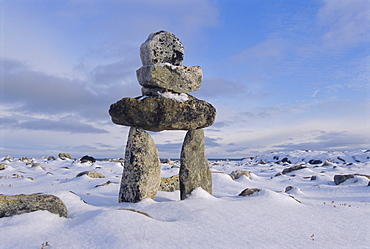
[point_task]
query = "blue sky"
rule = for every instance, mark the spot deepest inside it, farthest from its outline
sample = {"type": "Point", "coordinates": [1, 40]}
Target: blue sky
{"type": "Point", "coordinates": [283, 75]}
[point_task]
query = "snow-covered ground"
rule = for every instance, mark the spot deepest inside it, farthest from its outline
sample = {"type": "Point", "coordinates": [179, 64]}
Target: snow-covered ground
{"type": "Point", "coordinates": [321, 214]}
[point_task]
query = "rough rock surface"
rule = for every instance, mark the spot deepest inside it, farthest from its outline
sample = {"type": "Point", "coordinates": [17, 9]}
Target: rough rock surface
{"type": "Point", "coordinates": [159, 113]}
{"type": "Point", "coordinates": [20, 204]}
{"type": "Point", "coordinates": [180, 79]}
{"type": "Point", "coordinates": [194, 169]}
{"type": "Point", "coordinates": [162, 47]}
{"type": "Point", "coordinates": [170, 184]}
{"type": "Point", "coordinates": [141, 175]}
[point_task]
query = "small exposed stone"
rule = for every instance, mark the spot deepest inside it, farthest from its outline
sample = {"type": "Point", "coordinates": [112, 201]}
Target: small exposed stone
{"type": "Point", "coordinates": [287, 189]}
{"type": "Point", "coordinates": [25, 159]}
{"type": "Point", "coordinates": [162, 47]}
{"type": "Point", "coordinates": [194, 169]}
{"type": "Point", "coordinates": [249, 191]}
{"type": "Point", "coordinates": [160, 113]}
{"type": "Point", "coordinates": [51, 158]}
{"type": "Point", "coordinates": [20, 204]}
{"type": "Point", "coordinates": [64, 156]}
{"type": "Point", "coordinates": [91, 174]}
{"type": "Point", "coordinates": [8, 158]}
{"type": "Point", "coordinates": [170, 184]}
{"type": "Point", "coordinates": [338, 179]}
{"type": "Point", "coordinates": [236, 174]}
{"type": "Point", "coordinates": [141, 175]}
{"type": "Point", "coordinates": [313, 178]}
{"type": "Point", "coordinates": [105, 184]}
{"type": "Point", "coordinates": [294, 168]}
{"type": "Point", "coordinates": [35, 164]}
{"type": "Point", "coordinates": [314, 161]}
{"type": "Point", "coordinates": [87, 158]}
{"type": "Point", "coordinates": [180, 79]}
{"type": "Point", "coordinates": [3, 166]}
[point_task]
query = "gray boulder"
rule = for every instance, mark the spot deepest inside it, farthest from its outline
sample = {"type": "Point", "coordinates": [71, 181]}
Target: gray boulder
{"type": "Point", "coordinates": [20, 204]}
{"type": "Point", "coordinates": [180, 79]}
{"type": "Point", "coordinates": [162, 47]}
{"type": "Point", "coordinates": [194, 169]}
{"type": "Point", "coordinates": [141, 175]}
{"type": "Point", "coordinates": [159, 113]}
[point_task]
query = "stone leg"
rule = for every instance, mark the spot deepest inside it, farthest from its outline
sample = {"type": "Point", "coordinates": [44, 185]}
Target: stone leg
{"type": "Point", "coordinates": [194, 170]}
{"type": "Point", "coordinates": [141, 175]}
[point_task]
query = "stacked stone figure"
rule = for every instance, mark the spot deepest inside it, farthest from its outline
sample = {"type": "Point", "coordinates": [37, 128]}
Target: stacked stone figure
{"type": "Point", "coordinates": [164, 105]}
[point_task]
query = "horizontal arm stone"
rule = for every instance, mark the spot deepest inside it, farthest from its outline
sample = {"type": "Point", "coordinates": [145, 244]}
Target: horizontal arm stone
{"type": "Point", "coordinates": [159, 113]}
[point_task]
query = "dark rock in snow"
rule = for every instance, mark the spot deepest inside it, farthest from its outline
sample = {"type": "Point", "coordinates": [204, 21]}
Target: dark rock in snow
{"type": "Point", "coordinates": [338, 179]}
{"type": "Point", "coordinates": [249, 191]}
{"type": "Point", "coordinates": [314, 161]}
{"type": "Point", "coordinates": [20, 204]}
{"type": "Point", "coordinates": [87, 158]}
{"type": "Point", "coordinates": [294, 168]}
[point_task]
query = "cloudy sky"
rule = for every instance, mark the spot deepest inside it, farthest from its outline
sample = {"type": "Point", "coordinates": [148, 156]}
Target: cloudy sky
{"type": "Point", "coordinates": [283, 75]}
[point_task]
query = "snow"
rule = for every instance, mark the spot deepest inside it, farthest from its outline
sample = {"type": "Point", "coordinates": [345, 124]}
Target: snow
{"type": "Point", "coordinates": [321, 214]}
{"type": "Point", "coordinates": [181, 97]}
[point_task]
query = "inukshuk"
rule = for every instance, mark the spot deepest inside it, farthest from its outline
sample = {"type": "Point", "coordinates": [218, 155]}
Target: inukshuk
{"type": "Point", "coordinates": [164, 105]}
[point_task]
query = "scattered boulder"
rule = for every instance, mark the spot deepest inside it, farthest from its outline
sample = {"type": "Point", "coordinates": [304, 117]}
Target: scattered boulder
{"type": "Point", "coordinates": [170, 184]}
{"type": "Point", "coordinates": [249, 191]}
{"type": "Point", "coordinates": [288, 188]}
{"type": "Point", "coordinates": [3, 166]}
{"type": "Point", "coordinates": [20, 204]}
{"type": "Point", "coordinates": [159, 113]}
{"type": "Point", "coordinates": [87, 158]}
{"type": "Point", "coordinates": [36, 164]}
{"type": "Point", "coordinates": [8, 158]}
{"type": "Point", "coordinates": [162, 47]}
{"type": "Point", "coordinates": [180, 79]}
{"type": "Point", "coordinates": [338, 179]}
{"type": "Point", "coordinates": [27, 159]}
{"type": "Point", "coordinates": [50, 158]}
{"type": "Point", "coordinates": [91, 174]}
{"type": "Point", "coordinates": [236, 174]}
{"type": "Point", "coordinates": [194, 169]}
{"type": "Point", "coordinates": [141, 175]}
{"type": "Point", "coordinates": [291, 169]}
{"type": "Point", "coordinates": [313, 161]}
{"type": "Point", "coordinates": [64, 156]}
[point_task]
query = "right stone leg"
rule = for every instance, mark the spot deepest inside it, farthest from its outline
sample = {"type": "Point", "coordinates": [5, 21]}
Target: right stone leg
{"type": "Point", "coordinates": [194, 169]}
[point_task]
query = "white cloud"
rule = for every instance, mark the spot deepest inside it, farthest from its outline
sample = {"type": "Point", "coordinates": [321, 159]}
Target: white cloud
{"type": "Point", "coordinates": [346, 23]}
